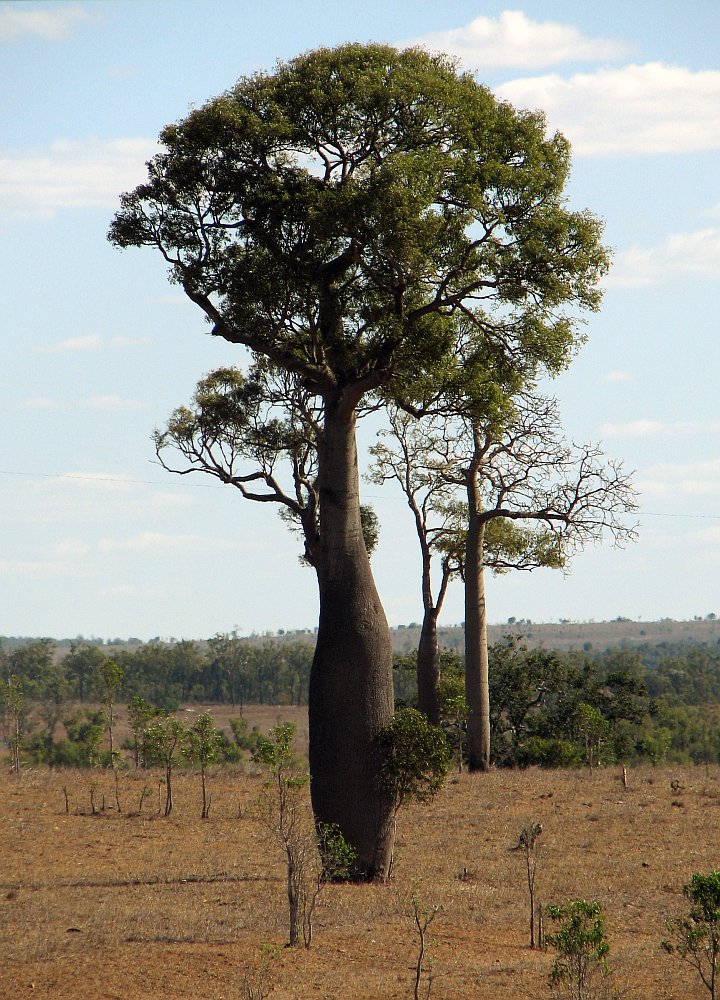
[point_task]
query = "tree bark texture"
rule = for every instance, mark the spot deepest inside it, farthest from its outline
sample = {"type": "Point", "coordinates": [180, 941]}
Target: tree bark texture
{"type": "Point", "coordinates": [477, 684]}
{"type": "Point", "coordinates": [351, 691]}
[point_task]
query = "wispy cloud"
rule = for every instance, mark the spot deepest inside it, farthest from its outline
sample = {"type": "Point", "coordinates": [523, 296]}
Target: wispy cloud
{"type": "Point", "coordinates": [110, 403]}
{"type": "Point", "coordinates": [681, 479]}
{"type": "Point", "coordinates": [52, 23]}
{"type": "Point", "coordinates": [39, 569]}
{"type": "Point", "coordinates": [655, 428]}
{"type": "Point", "coordinates": [145, 591]}
{"type": "Point", "coordinates": [692, 254]}
{"type": "Point", "coordinates": [153, 541]}
{"type": "Point", "coordinates": [616, 376]}
{"type": "Point", "coordinates": [638, 109]}
{"type": "Point", "coordinates": [71, 175]}
{"type": "Point", "coordinates": [514, 40]}
{"type": "Point", "coordinates": [94, 342]}
{"type": "Point", "coordinates": [96, 500]}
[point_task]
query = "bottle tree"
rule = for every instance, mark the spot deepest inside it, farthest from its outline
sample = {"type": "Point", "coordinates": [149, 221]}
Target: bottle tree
{"type": "Point", "coordinates": [335, 217]}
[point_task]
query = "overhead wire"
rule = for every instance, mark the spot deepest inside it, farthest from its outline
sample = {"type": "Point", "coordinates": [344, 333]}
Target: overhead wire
{"type": "Point", "coordinates": [194, 484]}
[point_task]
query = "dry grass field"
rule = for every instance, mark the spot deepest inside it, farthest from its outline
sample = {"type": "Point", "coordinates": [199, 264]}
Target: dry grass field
{"type": "Point", "coordinates": [135, 907]}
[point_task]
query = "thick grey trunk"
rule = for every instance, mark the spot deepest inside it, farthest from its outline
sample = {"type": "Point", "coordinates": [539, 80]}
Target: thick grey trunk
{"type": "Point", "coordinates": [477, 687]}
{"type": "Point", "coordinates": [351, 693]}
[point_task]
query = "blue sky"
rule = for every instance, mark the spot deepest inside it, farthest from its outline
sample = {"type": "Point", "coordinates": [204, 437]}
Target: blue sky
{"type": "Point", "coordinates": [97, 347]}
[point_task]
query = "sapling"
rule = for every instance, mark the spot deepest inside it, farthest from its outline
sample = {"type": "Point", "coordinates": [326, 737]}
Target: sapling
{"type": "Point", "coordinates": [203, 741]}
{"type": "Point", "coordinates": [14, 699]}
{"type": "Point", "coordinates": [110, 676]}
{"type": "Point", "coordinates": [166, 739]}
{"type": "Point", "coordinates": [582, 948]}
{"type": "Point", "coordinates": [116, 760]}
{"type": "Point", "coordinates": [695, 937]}
{"type": "Point", "coordinates": [423, 916]}
{"type": "Point", "coordinates": [528, 844]}
{"type": "Point", "coordinates": [312, 858]}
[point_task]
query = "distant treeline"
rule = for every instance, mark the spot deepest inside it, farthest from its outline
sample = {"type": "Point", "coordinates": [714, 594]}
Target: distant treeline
{"type": "Point", "coordinates": [650, 702]}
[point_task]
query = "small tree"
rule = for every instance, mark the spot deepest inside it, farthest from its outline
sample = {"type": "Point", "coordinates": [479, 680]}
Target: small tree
{"type": "Point", "coordinates": [140, 712]}
{"type": "Point", "coordinates": [696, 936]}
{"type": "Point", "coordinates": [529, 844]}
{"type": "Point", "coordinates": [582, 947]}
{"type": "Point", "coordinates": [423, 916]}
{"type": "Point", "coordinates": [110, 681]}
{"type": "Point", "coordinates": [203, 743]}
{"type": "Point", "coordinates": [592, 729]}
{"type": "Point", "coordinates": [166, 738]}
{"type": "Point", "coordinates": [312, 859]}
{"type": "Point", "coordinates": [14, 699]}
{"type": "Point", "coordinates": [53, 690]}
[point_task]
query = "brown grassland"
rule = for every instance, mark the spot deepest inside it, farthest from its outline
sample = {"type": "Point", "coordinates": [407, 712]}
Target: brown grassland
{"type": "Point", "coordinates": [121, 905]}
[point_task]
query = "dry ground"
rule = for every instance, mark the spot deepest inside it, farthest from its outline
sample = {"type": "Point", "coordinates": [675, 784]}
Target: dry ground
{"type": "Point", "coordinates": [120, 905]}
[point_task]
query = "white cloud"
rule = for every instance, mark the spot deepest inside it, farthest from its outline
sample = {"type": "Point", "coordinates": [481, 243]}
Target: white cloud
{"type": "Point", "coordinates": [145, 590]}
{"type": "Point", "coordinates": [708, 535]}
{"type": "Point", "coordinates": [682, 479]}
{"type": "Point", "coordinates": [110, 404]}
{"type": "Point", "coordinates": [638, 109]}
{"type": "Point", "coordinates": [616, 376]}
{"type": "Point", "coordinates": [39, 403]}
{"type": "Point", "coordinates": [89, 343]}
{"type": "Point", "coordinates": [654, 428]}
{"type": "Point", "coordinates": [634, 428]}
{"type": "Point", "coordinates": [51, 23]}
{"type": "Point", "coordinates": [93, 342]}
{"type": "Point", "coordinates": [38, 569]}
{"type": "Point", "coordinates": [70, 548]}
{"type": "Point", "coordinates": [514, 40]}
{"type": "Point", "coordinates": [69, 174]}
{"type": "Point", "coordinates": [153, 541]}
{"type": "Point", "coordinates": [692, 254]}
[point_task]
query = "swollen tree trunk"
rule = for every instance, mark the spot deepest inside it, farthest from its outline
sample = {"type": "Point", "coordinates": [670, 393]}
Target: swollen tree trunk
{"type": "Point", "coordinates": [428, 667]}
{"type": "Point", "coordinates": [477, 685]}
{"type": "Point", "coordinates": [351, 693]}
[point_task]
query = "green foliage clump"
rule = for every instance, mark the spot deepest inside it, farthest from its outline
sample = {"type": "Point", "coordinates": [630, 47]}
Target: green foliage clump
{"type": "Point", "coordinates": [581, 944]}
{"type": "Point", "coordinates": [243, 739]}
{"type": "Point", "coordinates": [415, 757]}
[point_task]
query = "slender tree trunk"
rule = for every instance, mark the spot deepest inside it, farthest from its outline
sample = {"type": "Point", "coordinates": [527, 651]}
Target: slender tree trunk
{"type": "Point", "coordinates": [351, 693]}
{"type": "Point", "coordinates": [428, 667]}
{"type": "Point", "coordinates": [477, 687]}
{"type": "Point", "coordinates": [428, 654]}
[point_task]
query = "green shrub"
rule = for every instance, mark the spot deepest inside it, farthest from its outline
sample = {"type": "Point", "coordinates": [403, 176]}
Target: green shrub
{"type": "Point", "coordinates": [415, 757]}
{"type": "Point", "coordinates": [549, 752]}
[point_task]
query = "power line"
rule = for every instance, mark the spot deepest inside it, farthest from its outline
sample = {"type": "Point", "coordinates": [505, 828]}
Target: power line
{"type": "Point", "coordinates": [216, 486]}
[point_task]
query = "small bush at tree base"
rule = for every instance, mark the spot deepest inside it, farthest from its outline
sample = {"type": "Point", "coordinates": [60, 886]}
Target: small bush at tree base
{"type": "Point", "coordinates": [415, 757]}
